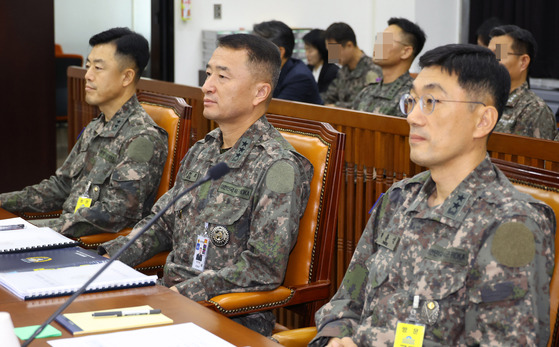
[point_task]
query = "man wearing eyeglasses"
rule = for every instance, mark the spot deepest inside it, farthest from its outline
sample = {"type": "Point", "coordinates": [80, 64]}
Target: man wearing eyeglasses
{"type": "Point", "coordinates": [395, 50]}
{"type": "Point", "coordinates": [525, 113]}
{"type": "Point", "coordinates": [454, 255]}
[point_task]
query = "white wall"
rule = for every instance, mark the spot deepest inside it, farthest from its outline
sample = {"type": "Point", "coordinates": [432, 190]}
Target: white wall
{"type": "Point", "coordinates": [75, 21]}
{"type": "Point", "coordinates": [243, 14]}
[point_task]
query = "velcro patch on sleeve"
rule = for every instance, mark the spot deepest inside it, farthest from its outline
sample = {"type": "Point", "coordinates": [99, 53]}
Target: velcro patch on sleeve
{"type": "Point", "coordinates": [280, 177]}
{"type": "Point", "coordinates": [513, 245]}
{"type": "Point", "coordinates": [140, 150]}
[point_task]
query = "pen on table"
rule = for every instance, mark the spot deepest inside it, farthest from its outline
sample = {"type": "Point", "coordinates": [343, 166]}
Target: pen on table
{"type": "Point", "coordinates": [12, 227]}
{"type": "Point", "coordinates": [125, 313]}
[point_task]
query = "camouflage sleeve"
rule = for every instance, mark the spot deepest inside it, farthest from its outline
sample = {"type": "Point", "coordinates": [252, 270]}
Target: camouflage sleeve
{"type": "Point", "coordinates": [157, 239]}
{"type": "Point", "coordinates": [279, 201]}
{"type": "Point", "coordinates": [536, 120]}
{"type": "Point", "coordinates": [132, 183]}
{"type": "Point", "coordinates": [331, 94]}
{"type": "Point", "coordinates": [509, 284]}
{"type": "Point", "coordinates": [46, 196]}
{"type": "Point", "coordinates": [359, 103]}
{"type": "Point", "coordinates": [342, 314]}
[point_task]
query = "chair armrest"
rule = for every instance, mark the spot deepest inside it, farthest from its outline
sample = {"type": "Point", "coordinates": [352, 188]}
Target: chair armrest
{"type": "Point", "coordinates": [39, 215]}
{"type": "Point", "coordinates": [93, 241]}
{"type": "Point", "coordinates": [233, 304]}
{"type": "Point", "coordinates": [296, 337]}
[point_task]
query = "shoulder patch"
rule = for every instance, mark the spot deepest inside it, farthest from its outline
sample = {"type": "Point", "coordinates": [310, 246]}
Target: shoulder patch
{"type": "Point", "coordinates": [280, 177]}
{"type": "Point", "coordinates": [371, 77]}
{"type": "Point", "coordinates": [513, 245]}
{"type": "Point", "coordinates": [140, 150]}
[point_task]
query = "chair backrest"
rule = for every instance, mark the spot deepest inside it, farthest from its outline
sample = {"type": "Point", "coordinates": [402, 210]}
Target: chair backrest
{"type": "Point", "coordinates": [544, 186]}
{"type": "Point", "coordinates": [323, 146]}
{"type": "Point", "coordinates": [172, 114]}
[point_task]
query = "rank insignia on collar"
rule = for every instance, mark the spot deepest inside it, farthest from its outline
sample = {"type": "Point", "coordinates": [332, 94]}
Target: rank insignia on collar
{"type": "Point", "coordinates": [219, 236]}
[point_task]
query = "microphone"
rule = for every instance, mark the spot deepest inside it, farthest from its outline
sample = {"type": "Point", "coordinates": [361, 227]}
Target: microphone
{"type": "Point", "coordinates": [214, 173]}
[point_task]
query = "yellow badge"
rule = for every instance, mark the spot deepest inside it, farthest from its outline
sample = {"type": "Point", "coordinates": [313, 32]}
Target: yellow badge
{"type": "Point", "coordinates": [409, 335]}
{"type": "Point", "coordinates": [82, 202]}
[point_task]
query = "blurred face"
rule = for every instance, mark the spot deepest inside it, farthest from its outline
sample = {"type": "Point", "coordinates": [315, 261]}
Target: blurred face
{"type": "Point", "coordinates": [344, 52]}
{"type": "Point", "coordinates": [104, 78]}
{"type": "Point", "coordinates": [502, 47]}
{"type": "Point", "coordinates": [230, 88]}
{"type": "Point", "coordinates": [441, 138]}
{"type": "Point", "coordinates": [389, 46]}
{"type": "Point", "coordinates": [313, 55]}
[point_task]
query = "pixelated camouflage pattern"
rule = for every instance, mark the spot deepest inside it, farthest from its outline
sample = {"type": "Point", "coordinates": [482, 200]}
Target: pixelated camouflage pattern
{"type": "Point", "coordinates": [381, 98]}
{"type": "Point", "coordinates": [481, 301]}
{"type": "Point", "coordinates": [262, 223]}
{"type": "Point", "coordinates": [122, 188]}
{"type": "Point", "coordinates": [527, 114]}
{"type": "Point", "coordinates": [348, 83]}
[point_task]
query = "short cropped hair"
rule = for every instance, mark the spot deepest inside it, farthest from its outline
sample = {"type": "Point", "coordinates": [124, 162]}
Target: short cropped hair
{"type": "Point", "coordinates": [315, 38]}
{"type": "Point", "coordinates": [478, 71]}
{"type": "Point", "coordinates": [277, 32]}
{"type": "Point", "coordinates": [523, 40]}
{"type": "Point", "coordinates": [341, 33]}
{"type": "Point", "coordinates": [263, 56]}
{"type": "Point", "coordinates": [485, 28]}
{"type": "Point", "coordinates": [129, 45]}
{"type": "Point", "coordinates": [413, 34]}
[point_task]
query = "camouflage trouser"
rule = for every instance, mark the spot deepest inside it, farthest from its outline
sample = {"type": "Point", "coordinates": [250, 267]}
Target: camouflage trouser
{"type": "Point", "coordinates": [261, 322]}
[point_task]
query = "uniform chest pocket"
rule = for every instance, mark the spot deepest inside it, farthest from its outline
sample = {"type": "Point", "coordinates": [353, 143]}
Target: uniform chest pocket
{"type": "Point", "coordinates": [438, 279]}
{"type": "Point", "coordinates": [78, 164]}
{"type": "Point", "coordinates": [231, 213]}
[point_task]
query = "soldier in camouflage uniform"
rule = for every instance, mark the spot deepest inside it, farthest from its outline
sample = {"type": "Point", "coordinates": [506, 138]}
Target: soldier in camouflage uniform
{"type": "Point", "coordinates": [358, 70]}
{"type": "Point", "coordinates": [395, 50]}
{"type": "Point", "coordinates": [526, 113]}
{"type": "Point", "coordinates": [456, 250]}
{"type": "Point", "coordinates": [118, 160]}
{"type": "Point", "coordinates": [233, 234]}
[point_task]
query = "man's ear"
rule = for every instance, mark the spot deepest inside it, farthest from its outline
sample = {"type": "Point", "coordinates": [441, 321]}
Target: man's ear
{"type": "Point", "coordinates": [263, 91]}
{"type": "Point", "coordinates": [487, 117]}
{"type": "Point", "coordinates": [407, 52]}
{"type": "Point", "coordinates": [524, 62]}
{"type": "Point", "coordinates": [282, 52]}
{"type": "Point", "coordinates": [128, 77]}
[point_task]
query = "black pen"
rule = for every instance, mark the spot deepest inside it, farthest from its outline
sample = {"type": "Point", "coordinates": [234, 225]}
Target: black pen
{"type": "Point", "coordinates": [125, 313]}
{"type": "Point", "coordinates": [12, 227]}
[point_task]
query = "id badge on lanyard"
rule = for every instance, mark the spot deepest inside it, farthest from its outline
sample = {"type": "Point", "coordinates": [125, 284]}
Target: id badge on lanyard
{"type": "Point", "coordinates": [410, 333]}
{"type": "Point", "coordinates": [84, 200]}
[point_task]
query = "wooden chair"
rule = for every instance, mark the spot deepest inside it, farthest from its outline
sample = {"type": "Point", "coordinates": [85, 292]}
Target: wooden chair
{"type": "Point", "coordinates": [540, 184]}
{"type": "Point", "coordinates": [307, 282]}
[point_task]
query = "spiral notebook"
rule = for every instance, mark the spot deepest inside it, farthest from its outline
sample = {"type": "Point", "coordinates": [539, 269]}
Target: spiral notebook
{"type": "Point", "coordinates": [65, 281]}
{"type": "Point", "coordinates": [30, 237]}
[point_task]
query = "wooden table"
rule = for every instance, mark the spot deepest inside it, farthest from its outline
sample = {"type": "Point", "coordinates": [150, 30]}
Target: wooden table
{"type": "Point", "coordinates": [172, 304]}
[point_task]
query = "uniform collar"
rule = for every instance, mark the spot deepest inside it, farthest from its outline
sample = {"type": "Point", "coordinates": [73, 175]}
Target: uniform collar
{"type": "Point", "coordinates": [516, 94]}
{"type": "Point", "coordinates": [112, 127]}
{"type": "Point", "coordinates": [456, 207]}
{"type": "Point", "coordinates": [235, 157]}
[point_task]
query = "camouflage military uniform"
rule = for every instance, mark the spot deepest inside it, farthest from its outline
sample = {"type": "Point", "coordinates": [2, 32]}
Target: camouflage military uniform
{"type": "Point", "coordinates": [259, 202]}
{"type": "Point", "coordinates": [349, 83]}
{"type": "Point", "coordinates": [383, 98]}
{"type": "Point", "coordinates": [118, 164]}
{"type": "Point", "coordinates": [485, 256]}
{"type": "Point", "coordinates": [527, 114]}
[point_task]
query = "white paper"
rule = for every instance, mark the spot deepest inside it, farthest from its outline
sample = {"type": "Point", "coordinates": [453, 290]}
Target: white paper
{"type": "Point", "coordinates": [67, 280]}
{"type": "Point", "coordinates": [177, 335]}
{"type": "Point", "coordinates": [30, 237]}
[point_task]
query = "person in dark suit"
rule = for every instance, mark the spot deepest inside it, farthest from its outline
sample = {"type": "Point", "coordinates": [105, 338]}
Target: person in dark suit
{"type": "Point", "coordinates": [317, 58]}
{"type": "Point", "coordinates": [295, 82]}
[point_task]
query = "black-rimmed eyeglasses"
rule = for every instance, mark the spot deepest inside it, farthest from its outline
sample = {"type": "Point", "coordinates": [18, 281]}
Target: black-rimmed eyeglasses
{"type": "Point", "coordinates": [426, 103]}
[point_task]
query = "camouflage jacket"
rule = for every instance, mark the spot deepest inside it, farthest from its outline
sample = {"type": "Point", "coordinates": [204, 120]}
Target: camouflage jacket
{"type": "Point", "coordinates": [527, 114]}
{"type": "Point", "coordinates": [259, 202]}
{"type": "Point", "coordinates": [118, 164]}
{"type": "Point", "coordinates": [484, 257]}
{"type": "Point", "coordinates": [349, 83]}
{"type": "Point", "coordinates": [383, 98]}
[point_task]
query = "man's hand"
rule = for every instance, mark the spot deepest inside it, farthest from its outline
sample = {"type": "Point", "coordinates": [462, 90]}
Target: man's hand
{"type": "Point", "coordinates": [337, 342]}
{"type": "Point", "coordinates": [330, 105]}
{"type": "Point", "coordinates": [173, 288]}
{"type": "Point", "coordinates": [106, 255]}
